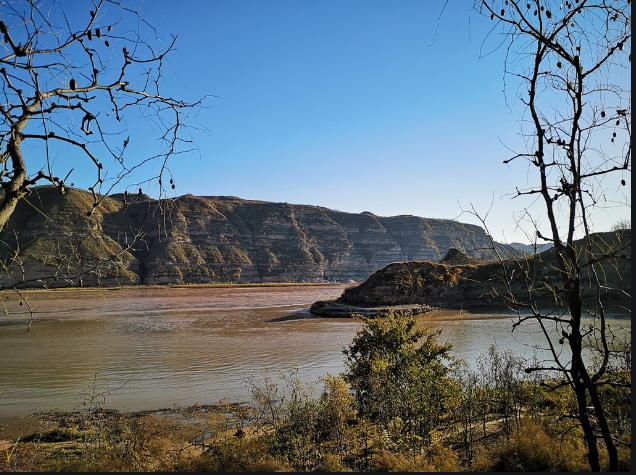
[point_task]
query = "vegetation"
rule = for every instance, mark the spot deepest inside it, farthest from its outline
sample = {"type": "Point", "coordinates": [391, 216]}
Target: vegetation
{"type": "Point", "coordinates": [402, 404]}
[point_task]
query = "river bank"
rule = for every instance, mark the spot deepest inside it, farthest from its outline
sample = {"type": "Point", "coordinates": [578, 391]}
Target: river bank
{"type": "Point", "coordinates": [220, 285]}
{"type": "Point", "coordinates": [186, 422]}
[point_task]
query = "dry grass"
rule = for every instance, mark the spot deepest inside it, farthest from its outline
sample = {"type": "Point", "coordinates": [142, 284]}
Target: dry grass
{"type": "Point", "coordinates": [150, 442]}
{"type": "Point", "coordinates": [532, 448]}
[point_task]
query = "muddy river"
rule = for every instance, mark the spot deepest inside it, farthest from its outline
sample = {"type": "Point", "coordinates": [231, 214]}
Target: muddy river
{"type": "Point", "coordinates": [180, 346]}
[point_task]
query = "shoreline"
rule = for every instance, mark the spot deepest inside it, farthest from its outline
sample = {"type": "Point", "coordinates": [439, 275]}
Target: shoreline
{"type": "Point", "coordinates": [184, 286]}
{"type": "Point", "coordinates": [28, 427]}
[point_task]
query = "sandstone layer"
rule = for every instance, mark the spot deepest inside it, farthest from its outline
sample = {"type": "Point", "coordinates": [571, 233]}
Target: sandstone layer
{"type": "Point", "coordinates": [199, 239]}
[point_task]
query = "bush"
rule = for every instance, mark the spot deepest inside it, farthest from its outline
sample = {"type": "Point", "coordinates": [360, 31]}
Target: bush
{"type": "Point", "coordinates": [531, 449]}
{"type": "Point", "coordinates": [331, 463]}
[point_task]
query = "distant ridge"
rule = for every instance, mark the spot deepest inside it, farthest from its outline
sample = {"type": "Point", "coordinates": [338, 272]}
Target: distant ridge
{"type": "Point", "coordinates": [529, 248]}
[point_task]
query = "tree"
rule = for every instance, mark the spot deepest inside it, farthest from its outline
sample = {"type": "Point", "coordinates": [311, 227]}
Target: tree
{"type": "Point", "coordinates": [577, 135]}
{"type": "Point", "coordinates": [69, 83]}
{"type": "Point", "coordinates": [621, 224]}
{"type": "Point", "coordinates": [398, 378]}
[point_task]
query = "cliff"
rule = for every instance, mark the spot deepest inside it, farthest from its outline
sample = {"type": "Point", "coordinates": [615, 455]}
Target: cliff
{"type": "Point", "coordinates": [202, 239]}
{"type": "Point", "coordinates": [417, 286]}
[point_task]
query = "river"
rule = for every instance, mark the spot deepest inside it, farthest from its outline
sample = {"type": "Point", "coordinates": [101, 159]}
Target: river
{"type": "Point", "coordinates": [181, 346]}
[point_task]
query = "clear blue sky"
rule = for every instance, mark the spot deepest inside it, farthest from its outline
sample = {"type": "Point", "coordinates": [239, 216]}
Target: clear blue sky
{"type": "Point", "coordinates": [344, 104]}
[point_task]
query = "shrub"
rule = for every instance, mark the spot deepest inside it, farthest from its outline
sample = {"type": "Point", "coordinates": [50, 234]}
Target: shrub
{"type": "Point", "coordinates": [530, 449]}
{"type": "Point", "coordinates": [331, 463]}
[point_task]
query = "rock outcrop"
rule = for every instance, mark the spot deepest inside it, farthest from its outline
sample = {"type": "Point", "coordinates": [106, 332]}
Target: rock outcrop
{"type": "Point", "coordinates": [456, 257]}
{"type": "Point", "coordinates": [195, 239]}
{"type": "Point", "coordinates": [455, 285]}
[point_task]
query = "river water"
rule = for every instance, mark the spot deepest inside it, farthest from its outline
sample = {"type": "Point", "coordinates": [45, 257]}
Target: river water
{"type": "Point", "coordinates": [181, 346]}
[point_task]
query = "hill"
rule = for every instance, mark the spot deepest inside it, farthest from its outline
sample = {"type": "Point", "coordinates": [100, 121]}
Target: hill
{"type": "Point", "coordinates": [203, 239]}
{"type": "Point", "coordinates": [458, 282]}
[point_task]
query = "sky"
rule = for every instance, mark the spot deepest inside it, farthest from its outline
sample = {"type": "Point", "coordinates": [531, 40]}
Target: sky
{"type": "Point", "coordinates": [377, 106]}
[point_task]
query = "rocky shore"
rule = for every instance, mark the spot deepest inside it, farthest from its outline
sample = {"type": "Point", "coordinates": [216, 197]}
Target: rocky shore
{"type": "Point", "coordinates": [333, 308]}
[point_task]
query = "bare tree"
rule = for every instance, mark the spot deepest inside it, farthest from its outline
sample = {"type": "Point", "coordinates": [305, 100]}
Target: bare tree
{"type": "Point", "coordinates": [69, 82]}
{"type": "Point", "coordinates": [566, 58]}
{"type": "Point", "coordinates": [621, 224]}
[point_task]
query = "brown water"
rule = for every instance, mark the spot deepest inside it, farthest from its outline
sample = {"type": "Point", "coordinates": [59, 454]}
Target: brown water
{"type": "Point", "coordinates": [180, 346]}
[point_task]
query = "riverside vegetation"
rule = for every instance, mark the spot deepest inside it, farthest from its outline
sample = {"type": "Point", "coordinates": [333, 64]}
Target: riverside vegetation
{"type": "Point", "coordinates": [403, 403]}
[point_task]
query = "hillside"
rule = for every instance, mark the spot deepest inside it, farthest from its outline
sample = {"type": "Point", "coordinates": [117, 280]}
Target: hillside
{"type": "Point", "coordinates": [202, 239]}
{"type": "Point", "coordinates": [461, 283]}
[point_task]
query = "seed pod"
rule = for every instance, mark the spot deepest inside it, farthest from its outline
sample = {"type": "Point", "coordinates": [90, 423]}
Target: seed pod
{"type": "Point", "coordinates": [125, 193]}
{"type": "Point", "coordinates": [89, 213]}
{"type": "Point", "coordinates": [89, 33]}
{"type": "Point", "coordinates": [603, 114]}
{"type": "Point", "coordinates": [548, 14]}
{"type": "Point", "coordinates": [618, 122]}
{"type": "Point", "coordinates": [171, 181]}
{"type": "Point", "coordinates": [614, 134]}
{"type": "Point", "coordinates": [623, 182]}
{"type": "Point", "coordinates": [174, 186]}
{"type": "Point", "coordinates": [528, 6]}
{"type": "Point", "coordinates": [559, 64]}
{"type": "Point", "coordinates": [492, 16]}
{"type": "Point", "coordinates": [107, 43]}
{"type": "Point", "coordinates": [98, 32]}
{"type": "Point", "coordinates": [612, 140]}
{"type": "Point", "coordinates": [503, 12]}
{"type": "Point", "coordinates": [535, 13]}
{"type": "Point", "coordinates": [110, 28]}
{"type": "Point", "coordinates": [542, 8]}
{"type": "Point", "coordinates": [72, 84]}
{"type": "Point", "coordinates": [140, 192]}
{"type": "Point", "coordinates": [92, 14]}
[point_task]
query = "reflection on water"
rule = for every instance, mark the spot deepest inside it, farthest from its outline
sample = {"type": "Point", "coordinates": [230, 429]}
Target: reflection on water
{"type": "Point", "coordinates": [182, 346]}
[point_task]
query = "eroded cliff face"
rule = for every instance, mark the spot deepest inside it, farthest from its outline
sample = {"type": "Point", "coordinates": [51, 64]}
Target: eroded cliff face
{"type": "Point", "coordinates": [222, 239]}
